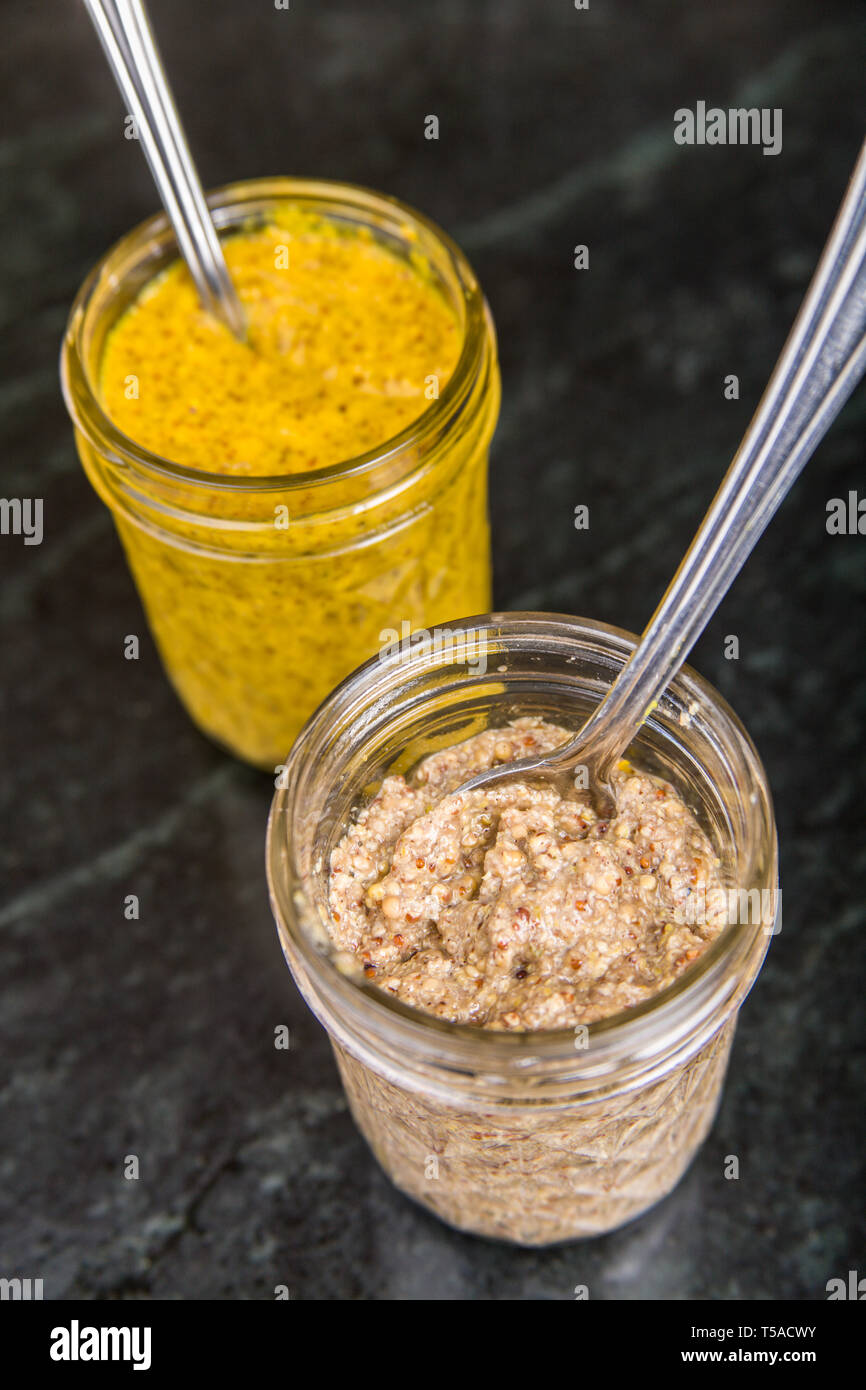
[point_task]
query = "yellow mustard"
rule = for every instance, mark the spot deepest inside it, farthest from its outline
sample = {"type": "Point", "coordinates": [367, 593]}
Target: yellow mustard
{"type": "Point", "coordinates": [278, 561]}
{"type": "Point", "coordinates": [343, 341]}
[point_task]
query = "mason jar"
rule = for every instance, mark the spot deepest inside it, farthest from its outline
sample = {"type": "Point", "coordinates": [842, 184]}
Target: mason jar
{"type": "Point", "coordinates": [263, 592]}
{"type": "Point", "coordinates": [529, 1137]}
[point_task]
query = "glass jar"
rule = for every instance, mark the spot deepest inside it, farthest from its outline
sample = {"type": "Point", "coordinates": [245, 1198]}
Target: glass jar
{"type": "Point", "coordinates": [263, 592]}
{"type": "Point", "coordinates": [532, 1137]}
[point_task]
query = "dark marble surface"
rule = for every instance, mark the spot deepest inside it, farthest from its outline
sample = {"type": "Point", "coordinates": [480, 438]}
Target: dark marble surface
{"type": "Point", "coordinates": [155, 1037]}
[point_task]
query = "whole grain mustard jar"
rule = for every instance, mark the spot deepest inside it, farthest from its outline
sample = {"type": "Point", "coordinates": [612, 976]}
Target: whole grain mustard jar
{"type": "Point", "coordinates": [554, 1134]}
{"type": "Point", "coordinates": [263, 589]}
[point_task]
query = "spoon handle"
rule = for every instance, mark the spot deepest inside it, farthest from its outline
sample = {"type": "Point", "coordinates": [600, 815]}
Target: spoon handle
{"type": "Point", "coordinates": [821, 363]}
{"type": "Point", "coordinates": [129, 45]}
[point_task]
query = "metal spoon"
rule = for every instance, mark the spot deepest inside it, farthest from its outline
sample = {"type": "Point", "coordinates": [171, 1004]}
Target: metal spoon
{"type": "Point", "coordinates": [822, 361]}
{"type": "Point", "coordinates": [127, 38]}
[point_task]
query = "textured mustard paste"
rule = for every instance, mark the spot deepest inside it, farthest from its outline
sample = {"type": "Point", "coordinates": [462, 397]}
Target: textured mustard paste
{"type": "Point", "coordinates": [343, 341]}
{"type": "Point", "coordinates": [347, 345]}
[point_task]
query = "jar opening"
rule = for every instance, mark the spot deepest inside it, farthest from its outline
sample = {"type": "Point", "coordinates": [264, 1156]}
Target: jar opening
{"type": "Point", "coordinates": [138, 257]}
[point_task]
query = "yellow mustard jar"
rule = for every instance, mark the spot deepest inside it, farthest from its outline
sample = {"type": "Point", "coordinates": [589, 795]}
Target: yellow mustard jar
{"type": "Point", "coordinates": [288, 502]}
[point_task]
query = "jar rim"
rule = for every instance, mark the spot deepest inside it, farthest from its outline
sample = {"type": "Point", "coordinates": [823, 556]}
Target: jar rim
{"type": "Point", "coordinates": [693, 998]}
{"type": "Point", "coordinates": [82, 401]}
